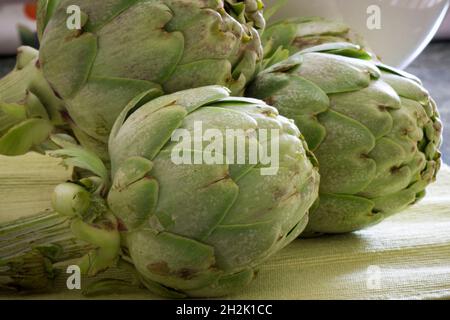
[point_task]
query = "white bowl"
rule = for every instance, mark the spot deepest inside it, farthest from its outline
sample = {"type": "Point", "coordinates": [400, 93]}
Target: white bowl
{"type": "Point", "coordinates": [405, 26]}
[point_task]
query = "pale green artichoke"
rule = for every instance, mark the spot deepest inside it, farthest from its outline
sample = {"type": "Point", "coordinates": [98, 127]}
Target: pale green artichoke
{"type": "Point", "coordinates": [128, 47]}
{"type": "Point", "coordinates": [197, 230]}
{"type": "Point", "coordinates": [203, 229]}
{"type": "Point", "coordinates": [374, 130]}
{"type": "Point", "coordinates": [29, 110]}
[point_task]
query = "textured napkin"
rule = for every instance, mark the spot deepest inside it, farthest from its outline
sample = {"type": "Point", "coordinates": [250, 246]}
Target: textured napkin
{"type": "Point", "coordinates": [405, 257]}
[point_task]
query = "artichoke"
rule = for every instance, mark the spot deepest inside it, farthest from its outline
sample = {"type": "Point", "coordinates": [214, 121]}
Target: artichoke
{"type": "Point", "coordinates": [128, 47]}
{"type": "Point", "coordinates": [202, 229]}
{"type": "Point", "coordinates": [374, 130]}
{"type": "Point", "coordinates": [197, 229]}
{"type": "Point", "coordinates": [29, 110]}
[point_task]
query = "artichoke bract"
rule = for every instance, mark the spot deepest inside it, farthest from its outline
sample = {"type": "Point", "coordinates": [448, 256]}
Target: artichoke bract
{"type": "Point", "coordinates": [29, 110]}
{"type": "Point", "coordinates": [297, 34]}
{"type": "Point", "coordinates": [201, 229]}
{"type": "Point", "coordinates": [374, 130]}
{"type": "Point", "coordinates": [127, 47]}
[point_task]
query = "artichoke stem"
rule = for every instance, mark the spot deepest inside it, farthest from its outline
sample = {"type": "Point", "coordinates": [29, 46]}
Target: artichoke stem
{"type": "Point", "coordinates": [32, 247]}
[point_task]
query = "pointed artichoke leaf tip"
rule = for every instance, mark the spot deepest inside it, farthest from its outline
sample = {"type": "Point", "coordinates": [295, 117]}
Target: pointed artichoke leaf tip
{"type": "Point", "coordinates": [25, 55]}
{"type": "Point", "coordinates": [398, 72]}
{"type": "Point", "coordinates": [278, 56]}
{"type": "Point", "coordinates": [327, 47]}
{"type": "Point", "coordinates": [343, 49]}
{"type": "Point", "coordinates": [133, 105]}
{"type": "Point", "coordinates": [238, 9]}
{"type": "Point", "coordinates": [285, 65]}
{"type": "Point", "coordinates": [193, 99]}
{"type": "Point", "coordinates": [63, 140]}
{"type": "Point", "coordinates": [200, 97]}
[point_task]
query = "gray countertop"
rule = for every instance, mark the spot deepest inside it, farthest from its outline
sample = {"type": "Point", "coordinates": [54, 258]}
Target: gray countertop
{"type": "Point", "coordinates": [433, 67]}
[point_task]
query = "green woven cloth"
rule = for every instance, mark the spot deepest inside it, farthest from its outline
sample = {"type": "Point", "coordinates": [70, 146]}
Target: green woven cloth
{"type": "Point", "coordinates": [405, 257]}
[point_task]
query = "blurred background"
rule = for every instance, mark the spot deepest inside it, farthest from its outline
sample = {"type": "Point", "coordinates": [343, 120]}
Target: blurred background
{"type": "Point", "coordinates": [17, 27]}
{"type": "Point", "coordinates": [444, 32]}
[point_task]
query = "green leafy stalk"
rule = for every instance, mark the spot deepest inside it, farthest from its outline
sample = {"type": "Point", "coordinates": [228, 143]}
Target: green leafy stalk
{"type": "Point", "coordinates": [29, 110]}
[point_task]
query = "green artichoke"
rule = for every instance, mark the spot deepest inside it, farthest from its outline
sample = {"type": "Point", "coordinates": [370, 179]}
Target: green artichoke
{"type": "Point", "coordinates": [126, 47]}
{"type": "Point", "coordinates": [197, 229]}
{"type": "Point", "coordinates": [374, 130]}
{"type": "Point", "coordinates": [29, 110]}
{"type": "Point", "coordinates": [203, 229]}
